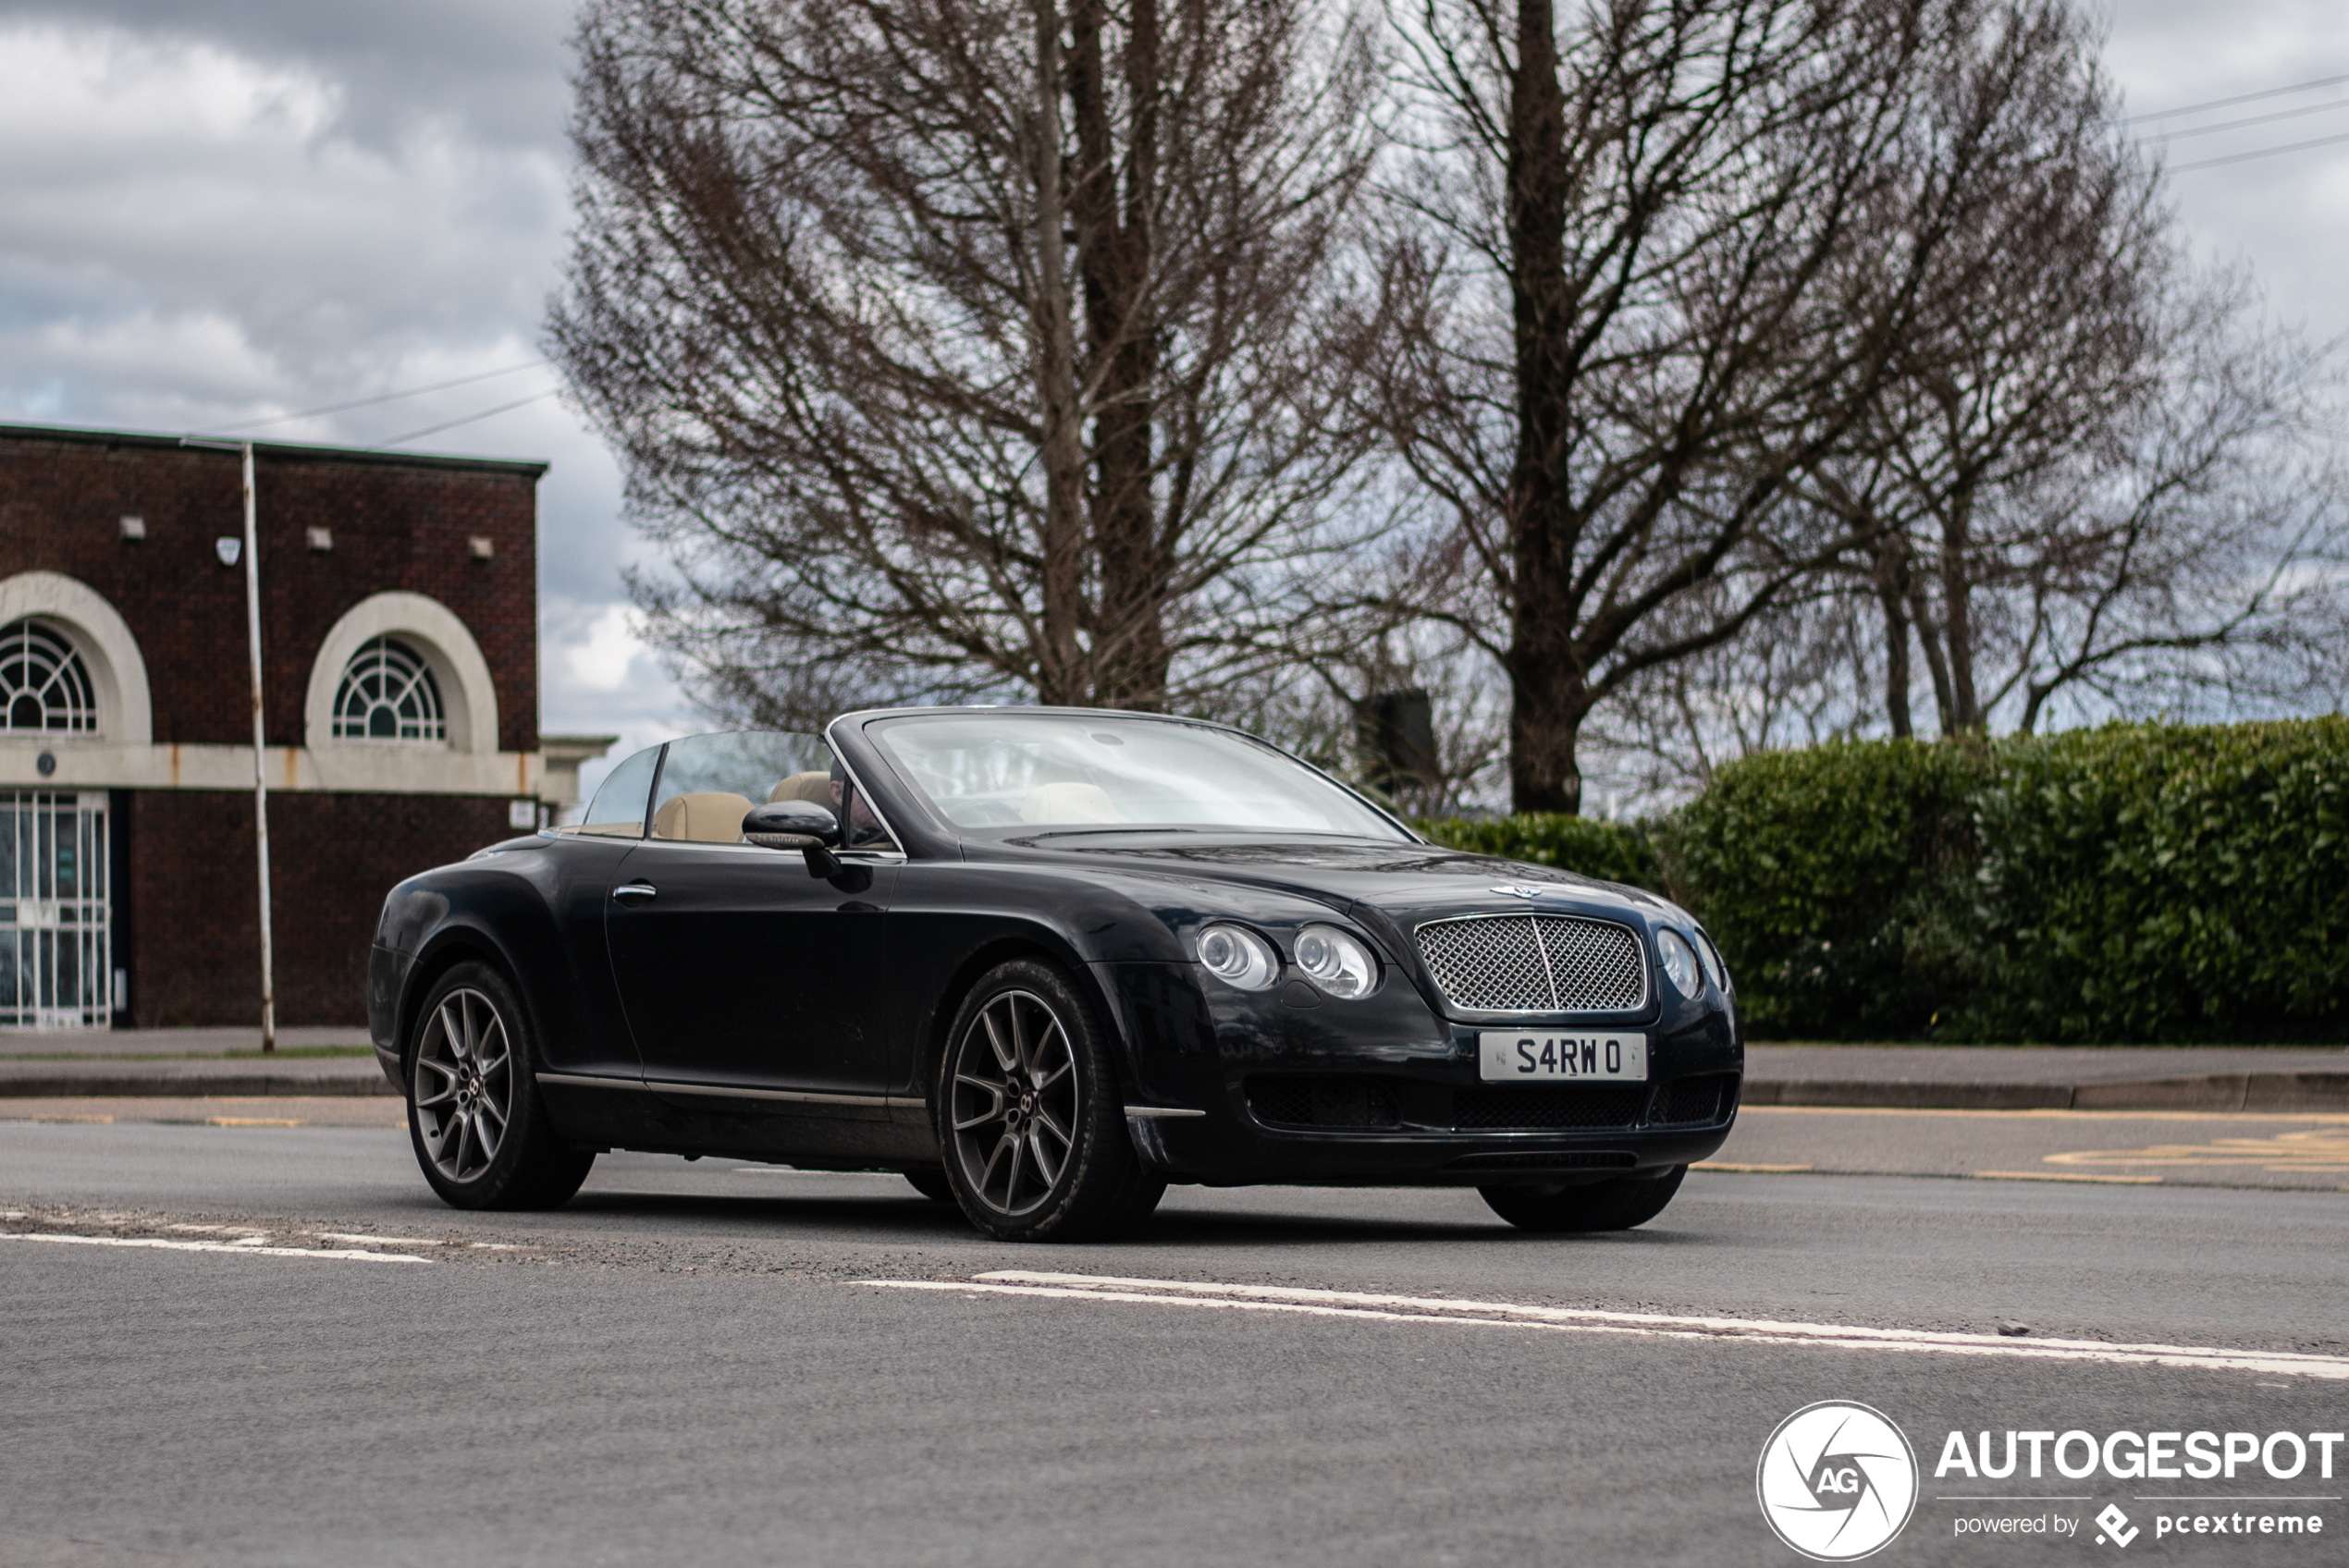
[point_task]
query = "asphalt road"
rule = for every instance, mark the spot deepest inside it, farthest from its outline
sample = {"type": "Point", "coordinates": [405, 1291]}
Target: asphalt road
{"type": "Point", "coordinates": [689, 1365]}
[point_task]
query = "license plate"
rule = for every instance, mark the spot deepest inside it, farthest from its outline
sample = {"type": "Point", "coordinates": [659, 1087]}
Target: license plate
{"type": "Point", "coordinates": [1526, 1056]}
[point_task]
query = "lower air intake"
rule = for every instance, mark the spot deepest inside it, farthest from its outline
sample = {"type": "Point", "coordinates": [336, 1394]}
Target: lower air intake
{"type": "Point", "coordinates": [1514, 1109]}
{"type": "Point", "coordinates": [1357, 1103]}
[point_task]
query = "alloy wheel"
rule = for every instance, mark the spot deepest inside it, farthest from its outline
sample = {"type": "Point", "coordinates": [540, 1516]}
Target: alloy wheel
{"type": "Point", "coordinates": [1014, 1103]}
{"type": "Point", "coordinates": [464, 1084]}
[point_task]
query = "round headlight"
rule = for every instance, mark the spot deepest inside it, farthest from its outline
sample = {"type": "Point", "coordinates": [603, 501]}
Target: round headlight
{"type": "Point", "coordinates": [1715, 969]}
{"type": "Point", "coordinates": [1335, 962]}
{"type": "Point", "coordinates": [1680, 962]}
{"type": "Point", "coordinates": [1239, 957]}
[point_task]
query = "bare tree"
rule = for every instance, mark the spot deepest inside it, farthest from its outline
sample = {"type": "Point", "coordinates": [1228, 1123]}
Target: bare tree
{"type": "Point", "coordinates": [974, 346]}
{"type": "Point", "coordinates": [1638, 313]}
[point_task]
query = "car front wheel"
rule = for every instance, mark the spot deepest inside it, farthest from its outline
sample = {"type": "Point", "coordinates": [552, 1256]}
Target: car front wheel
{"type": "Point", "coordinates": [1618, 1204]}
{"type": "Point", "coordinates": [1031, 1124]}
{"type": "Point", "coordinates": [480, 1130]}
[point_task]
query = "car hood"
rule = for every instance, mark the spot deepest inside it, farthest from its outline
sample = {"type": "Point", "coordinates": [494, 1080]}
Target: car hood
{"type": "Point", "coordinates": [1398, 885]}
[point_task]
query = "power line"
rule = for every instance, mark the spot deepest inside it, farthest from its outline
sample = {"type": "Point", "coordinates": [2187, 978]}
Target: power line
{"type": "Point", "coordinates": [451, 425]}
{"type": "Point", "coordinates": [2241, 98]}
{"type": "Point", "coordinates": [2263, 153]}
{"type": "Point", "coordinates": [386, 397]}
{"type": "Point", "coordinates": [2238, 125]}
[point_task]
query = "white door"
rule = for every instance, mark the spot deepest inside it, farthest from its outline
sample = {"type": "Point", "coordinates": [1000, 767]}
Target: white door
{"type": "Point", "coordinates": [56, 952]}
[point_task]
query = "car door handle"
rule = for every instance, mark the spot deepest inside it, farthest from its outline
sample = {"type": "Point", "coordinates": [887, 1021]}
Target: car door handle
{"type": "Point", "coordinates": [635, 893]}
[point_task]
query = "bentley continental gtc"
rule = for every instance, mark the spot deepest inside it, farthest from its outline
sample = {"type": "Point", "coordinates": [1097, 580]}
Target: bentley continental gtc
{"type": "Point", "coordinates": [1044, 962]}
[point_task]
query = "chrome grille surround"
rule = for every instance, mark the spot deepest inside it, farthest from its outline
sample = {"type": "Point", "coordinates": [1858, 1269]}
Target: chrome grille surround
{"type": "Point", "coordinates": [1535, 963]}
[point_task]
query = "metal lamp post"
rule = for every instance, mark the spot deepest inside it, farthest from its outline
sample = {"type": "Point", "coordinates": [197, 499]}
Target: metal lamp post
{"type": "Point", "coordinates": [259, 772]}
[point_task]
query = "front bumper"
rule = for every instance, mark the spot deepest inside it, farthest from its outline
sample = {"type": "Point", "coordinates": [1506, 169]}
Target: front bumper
{"type": "Point", "coordinates": [1232, 1090]}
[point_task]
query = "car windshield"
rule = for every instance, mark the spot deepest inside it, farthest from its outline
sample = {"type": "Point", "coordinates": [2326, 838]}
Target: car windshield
{"type": "Point", "coordinates": [1078, 771]}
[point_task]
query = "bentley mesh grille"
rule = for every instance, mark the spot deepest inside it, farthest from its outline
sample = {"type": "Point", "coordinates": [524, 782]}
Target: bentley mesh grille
{"type": "Point", "coordinates": [1535, 963]}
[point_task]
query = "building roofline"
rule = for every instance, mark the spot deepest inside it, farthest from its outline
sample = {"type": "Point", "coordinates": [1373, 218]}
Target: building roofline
{"type": "Point", "coordinates": [289, 451]}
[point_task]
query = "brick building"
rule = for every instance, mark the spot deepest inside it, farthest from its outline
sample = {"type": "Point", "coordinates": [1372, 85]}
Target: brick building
{"type": "Point", "coordinates": [399, 645]}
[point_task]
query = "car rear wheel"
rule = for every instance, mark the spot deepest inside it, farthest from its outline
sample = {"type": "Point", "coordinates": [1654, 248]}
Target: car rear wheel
{"type": "Point", "coordinates": [1031, 1124]}
{"type": "Point", "coordinates": [1618, 1204]}
{"type": "Point", "coordinates": [479, 1129]}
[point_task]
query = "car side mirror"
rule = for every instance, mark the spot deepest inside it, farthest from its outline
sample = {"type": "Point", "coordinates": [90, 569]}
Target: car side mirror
{"type": "Point", "coordinates": [813, 830]}
{"type": "Point", "coordinates": [791, 825]}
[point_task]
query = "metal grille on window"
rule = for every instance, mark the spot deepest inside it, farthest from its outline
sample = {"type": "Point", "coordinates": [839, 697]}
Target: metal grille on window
{"type": "Point", "coordinates": [45, 687]}
{"type": "Point", "coordinates": [55, 941]}
{"type": "Point", "coordinates": [1535, 963]}
{"type": "Point", "coordinates": [389, 693]}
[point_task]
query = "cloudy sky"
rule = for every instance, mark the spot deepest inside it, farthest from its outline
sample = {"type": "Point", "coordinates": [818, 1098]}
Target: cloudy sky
{"type": "Point", "coordinates": [218, 212]}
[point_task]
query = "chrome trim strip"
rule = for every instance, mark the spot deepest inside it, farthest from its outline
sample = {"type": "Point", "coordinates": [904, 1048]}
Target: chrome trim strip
{"type": "Point", "coordinates": [671, 1086]}
{"type": "Point", "coordinates": [590, 1080]}
{"type": "Point", "coordinates": [1159, 1111]}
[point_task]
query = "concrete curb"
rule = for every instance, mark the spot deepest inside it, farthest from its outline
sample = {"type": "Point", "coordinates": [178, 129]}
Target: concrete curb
{"type": "Point", "coordinates": [2208, 1092]}
{"type": "Point", "coordinates": [132, 1077]}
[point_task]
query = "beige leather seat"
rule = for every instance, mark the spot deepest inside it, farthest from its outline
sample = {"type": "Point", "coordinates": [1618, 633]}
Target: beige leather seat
{"type": "Point", "coordinates": [816, 787]}
{"type": "Point", "coordinates": [1068, 803]}
{"type": "Point", "coordinates": [706, 817]}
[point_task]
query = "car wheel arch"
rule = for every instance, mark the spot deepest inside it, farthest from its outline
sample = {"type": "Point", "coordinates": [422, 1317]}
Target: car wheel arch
{"type": "Point", "coordinates": [975, 966]}
{"type": "Point", "coordinates": [444, 952]}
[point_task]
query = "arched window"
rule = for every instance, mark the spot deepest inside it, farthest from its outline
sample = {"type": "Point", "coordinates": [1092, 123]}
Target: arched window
{"type": "Point", "coordinates": [387, 693]}
{"type": "Point", "coordinates": [45, 687]}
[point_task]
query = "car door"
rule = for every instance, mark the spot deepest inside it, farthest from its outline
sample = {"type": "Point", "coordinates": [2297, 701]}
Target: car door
{"type": "Point", "coordinates": [737, 969]}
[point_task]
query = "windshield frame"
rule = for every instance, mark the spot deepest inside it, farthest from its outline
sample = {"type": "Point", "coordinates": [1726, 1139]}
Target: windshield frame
{"type": "Point", "coordinates": [871, 729]}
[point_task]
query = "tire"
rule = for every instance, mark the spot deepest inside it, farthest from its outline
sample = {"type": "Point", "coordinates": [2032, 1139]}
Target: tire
{"type": "Point", "coordinates": [1602, 1205]}
{"type": "Point", "coordinates": [1030, 1122]}
{"type": "Point", "coordinates": [933, 1185]}
{"type": "Point", "coordinates": [480, 1132]}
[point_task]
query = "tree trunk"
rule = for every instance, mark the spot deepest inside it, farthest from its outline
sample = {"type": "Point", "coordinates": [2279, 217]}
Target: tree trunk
{"type": "Point", "coordinates": [1892, 593]}
{"type": "Point", "coordinates": [1546, 667]}
{"type": "Point", "coordinates": [1061, 675]}
{"type": "Point", "coordinates": [1547, 705]}
{"type": "Point", "coordinates": [1114, 252]}
{"type": "Point", "coordinates": [1930, 638]}
{"type": "Point", "coordinates": [1957, 614]}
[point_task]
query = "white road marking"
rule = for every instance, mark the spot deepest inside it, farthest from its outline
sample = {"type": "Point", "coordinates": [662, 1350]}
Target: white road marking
{"type": "Point", "coordinates": [241, 1249]}
{"type": "Point", "coordinates": [378, 1241]}
{"type": "Point", "coordinates": [1504, 1314]}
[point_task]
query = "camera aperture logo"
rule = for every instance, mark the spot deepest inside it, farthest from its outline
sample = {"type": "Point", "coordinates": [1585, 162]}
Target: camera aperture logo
{"type": "Point", "coordinates": [1837, 1481]}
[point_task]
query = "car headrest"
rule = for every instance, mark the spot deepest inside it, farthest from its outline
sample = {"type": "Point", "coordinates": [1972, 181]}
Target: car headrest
{"type": "Point", "coordinates": [816, 785]}
{"type": "Point", "coordinates": [1067, 803]}
{"type": "Point", "coordinates": [706, 817]}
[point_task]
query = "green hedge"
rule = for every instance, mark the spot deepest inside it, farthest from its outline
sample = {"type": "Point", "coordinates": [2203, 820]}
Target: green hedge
{"type": "Point", "coordinates": [1838, 882]}
{"type": "Point", "coordinates": [2162, 882]}
{"type": "Point", "coordinates": [1613, 852]}
{"type": "Point", "coordinates": [2150, 882]}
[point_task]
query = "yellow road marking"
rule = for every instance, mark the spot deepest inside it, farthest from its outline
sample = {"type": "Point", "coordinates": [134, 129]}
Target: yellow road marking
{"type": "Point", "coordinates": [2062, 1176]}
{"type": "Point", "coordinates": [2312, 1150]}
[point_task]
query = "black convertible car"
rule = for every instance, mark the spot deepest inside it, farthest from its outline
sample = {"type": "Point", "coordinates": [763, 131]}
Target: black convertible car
{"type": "Point", "coordinates": [1044, 961]}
